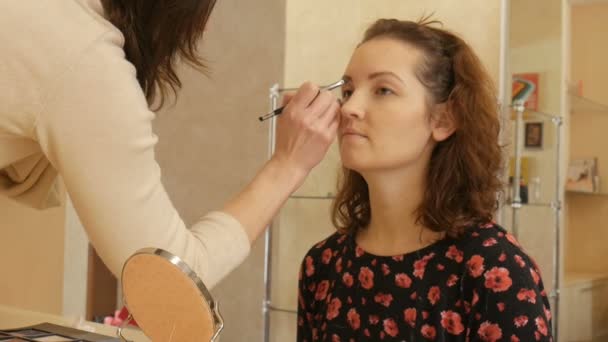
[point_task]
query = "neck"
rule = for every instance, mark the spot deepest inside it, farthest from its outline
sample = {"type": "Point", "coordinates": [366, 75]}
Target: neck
{"type": "Point", "coordinates": [395, 197]}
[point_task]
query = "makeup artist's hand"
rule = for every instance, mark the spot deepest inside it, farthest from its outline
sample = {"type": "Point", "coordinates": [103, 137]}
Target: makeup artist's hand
{"type": "Point", "coordinates": [306, 128]}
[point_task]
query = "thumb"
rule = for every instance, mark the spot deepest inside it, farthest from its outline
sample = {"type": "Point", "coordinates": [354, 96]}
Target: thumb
{"type": "Point", "coordinates": [287, 98]}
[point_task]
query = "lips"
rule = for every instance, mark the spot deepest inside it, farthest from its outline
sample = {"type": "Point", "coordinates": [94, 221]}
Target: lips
{"type": "Point", "coordinates": [352, 131]}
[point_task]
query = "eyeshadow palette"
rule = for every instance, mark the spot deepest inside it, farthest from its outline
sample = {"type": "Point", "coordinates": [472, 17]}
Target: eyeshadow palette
{"type": "Point", "coordinates": [47, 332]}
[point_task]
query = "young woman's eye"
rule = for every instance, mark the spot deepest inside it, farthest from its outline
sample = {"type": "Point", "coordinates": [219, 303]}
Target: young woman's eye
{"type": "Point", "coordinates": [384, 91]}
{"type": "Point", "coordinates": [346, 94]}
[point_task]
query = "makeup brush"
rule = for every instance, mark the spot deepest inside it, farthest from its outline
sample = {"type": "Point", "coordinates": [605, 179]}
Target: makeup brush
{"type": "Point", "coordinates": [278, 111]}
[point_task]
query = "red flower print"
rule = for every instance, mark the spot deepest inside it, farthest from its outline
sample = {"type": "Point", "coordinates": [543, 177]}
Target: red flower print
{"type": "Point", "coordinates": [527, 295]}
{"type": "Point", "coordinates": [382, 335]}
{"type": "Point", "coordinates": [547, 313]}
{"type": "Point", "coordinates": [321, 244]}
{"type": "Point", "coordinates": [475, 266]}
{"type": "Point", "coordinates": [451, 322]}
{"type": "Point", "coordinates": [467, 307]}
{"type": "Point", "coordinates": [347, 279]}
{"type": "Point", "coordinates": [310, 268]}
{"type": "Point", "coordinates": [374, 262]}
{"type": "Point", "coordinates": [363, 301]}
{"type": "Point", "coordinates": [452, 280]}
{"type": "Point", "coordinates": [390, 327]}
{"type": "Point", "coordinates": [366, 333]}
{"type": "Point", "coordinates": [419, 268]}
{"type": "Point", "coordinates": [490, 242]}
{"type": "Point", "coordinates": [339, 265]}
{"type": "Point", "coordinates": [410, 316]}
{"type": "Point", "coordinates": [500, 306]}
{"type": "Point", "coordinates": [434, 295]}
{"type": "Point", "coordinates": [519, 260]}
{"type": "Point", "coordinates": [420, 265]}
{"type": "Point", "coordinates": [359, 251]}
{"type": "Point", "coordinates": [489, 332]}
{"type": "Point", "coordinates": [537, 335]}
{"type": "Point", "coordinates": [428, 332]}
{"type": "Point", "coordinates": [353, 319]}
{"type": "Point", "coordinates": [454, 254]}
{"type": "Point", "coordinates": [413, 296]}
{"type": "Point", "coordinates": [502, 257]}
{"type": "Point", "coordinates": [335, 338]}
{"type": "Point", "coordinates": [374, 319]}
{"type": "Point", "coordinates": [385, 269]}
{"type": "Point", "coordinates": [398, 258]}
{"type": "Point", "coordinates": [403, 280]}
{"type": "Point", "coordinates": [341, 239]}
{"type": "Point", "coordinates": [366, 277]}
{"type": "Point", "coordinates": [440, 267]}
{"type": "Point", "coordinates": [541, 325]}
{"type": "Point", "coordinates": [535, 276]}
{"type": "Point", "coordinates": [322, 290]}
{"type": "Point", "coordinates": [520, 321]}
{"type": "Point", "coordinates": [333, 309]}
{"type": "Point", "coordinates": [514, 338]}
{"type": "Point", "coordinates": [326, 256]}
{"type": "Point", "coordinates": [501, 234]}
{"type": "Point", "coordinates": [384, 299]}
{"type": "Point", "coordinates": [475, 234]}
{"type": "Point", "coordinates": [475, 297]}
{"type": "Point", "coordinates": [312, 287]}
{"type": "Point", "coordinates": [349, 300]}
{"type": "Point", "coordinates": [425, 314]}
{"type": "Point", "coordinates": [487, 225]}
{"type": "Point", "coordinates": [498, 280]}
{"type": "Point", "coordinates": [512, 240]}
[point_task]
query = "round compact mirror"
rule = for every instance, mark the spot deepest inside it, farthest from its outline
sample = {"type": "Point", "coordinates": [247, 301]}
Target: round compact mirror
{"type": "Point", "coordinates": [167, 299]}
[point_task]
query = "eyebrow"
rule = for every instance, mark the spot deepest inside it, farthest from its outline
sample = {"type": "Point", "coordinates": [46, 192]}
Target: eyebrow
{"type": "Point", "coordinates": [348, 79]}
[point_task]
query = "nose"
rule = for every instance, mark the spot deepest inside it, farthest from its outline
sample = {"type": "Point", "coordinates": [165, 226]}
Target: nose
{"type": "Point", "coordinates": [353, 107]}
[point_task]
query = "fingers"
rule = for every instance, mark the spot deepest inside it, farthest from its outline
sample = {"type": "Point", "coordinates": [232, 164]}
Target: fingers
{"type": "Point", "coordinates": [287, 97]}
{"type": "Point", "coordinates": [330, 115]}
{"type": "Point", "coordinates": [305, 95]}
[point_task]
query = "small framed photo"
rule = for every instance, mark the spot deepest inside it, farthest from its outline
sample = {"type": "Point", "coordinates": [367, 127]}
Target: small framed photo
{"type": "Point", "coordinates": [534, 135]}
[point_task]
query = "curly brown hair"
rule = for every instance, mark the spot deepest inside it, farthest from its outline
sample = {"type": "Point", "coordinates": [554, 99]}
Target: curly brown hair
{"type": "Point", "coordinates": [156, 33]}
{"type": "Point", "coordinates": [464, 175]}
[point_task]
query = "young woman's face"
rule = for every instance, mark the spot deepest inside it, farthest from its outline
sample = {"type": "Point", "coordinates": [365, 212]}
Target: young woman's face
{"type": "Point", "coordinates": [385, 119]}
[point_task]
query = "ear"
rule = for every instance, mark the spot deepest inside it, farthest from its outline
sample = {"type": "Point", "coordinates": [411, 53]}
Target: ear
{"type": "Point", "coordinates": [442, 122]}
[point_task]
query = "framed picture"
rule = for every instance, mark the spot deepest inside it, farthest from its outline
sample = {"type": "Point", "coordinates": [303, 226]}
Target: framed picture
{"type": "Point", "coordinates": [525, 88]}
{"type": "Point", "coordinates": [582, 175]}
{"type": "Point", "coordinates": [534, 135]}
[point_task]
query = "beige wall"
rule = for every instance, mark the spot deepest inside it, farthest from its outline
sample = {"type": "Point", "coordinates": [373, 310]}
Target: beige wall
{"type": "Point", "coordinates": [320, 38]}
{"type": "Point", "coordinates": [31, 257]}
{"type": "Point", "coordinates": [211, 143]}
{"type": "Point", "coordinates": [587, 215]}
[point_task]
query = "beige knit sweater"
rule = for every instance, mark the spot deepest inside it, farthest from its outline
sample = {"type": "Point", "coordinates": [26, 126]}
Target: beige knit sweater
{"type": "Point", "coordinates": [70, 105]}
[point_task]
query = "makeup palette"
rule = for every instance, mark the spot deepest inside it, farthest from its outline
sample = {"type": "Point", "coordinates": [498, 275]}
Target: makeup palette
{"type": "Point", "coordinates": [47, 332]}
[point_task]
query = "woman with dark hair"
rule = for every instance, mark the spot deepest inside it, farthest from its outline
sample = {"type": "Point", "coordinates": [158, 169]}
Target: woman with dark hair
{"type": "Point", "coordinates": [417, 256]}
{"type": "Point", "coordinates": [78, 77]}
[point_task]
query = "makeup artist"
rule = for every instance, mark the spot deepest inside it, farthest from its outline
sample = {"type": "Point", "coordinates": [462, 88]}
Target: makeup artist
{"type": "Point", "coordinates": [78, 78]}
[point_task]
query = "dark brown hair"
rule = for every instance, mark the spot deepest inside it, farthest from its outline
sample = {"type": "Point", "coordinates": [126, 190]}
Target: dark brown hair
{"type": "Point", "coordinates": [156, 33]}
{"type": "Point", "coordinates": [463, 178]}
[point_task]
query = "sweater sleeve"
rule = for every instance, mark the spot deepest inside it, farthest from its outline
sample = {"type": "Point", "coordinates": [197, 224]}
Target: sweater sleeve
{"type": "Point", "coordinates": [95, 128]}
{"type": "Point", "coordinates": [504, 294]}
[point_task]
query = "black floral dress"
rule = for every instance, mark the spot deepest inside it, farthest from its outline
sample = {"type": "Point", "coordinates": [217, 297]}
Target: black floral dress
{"type": "Point", "coordinates": [480, 287]}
